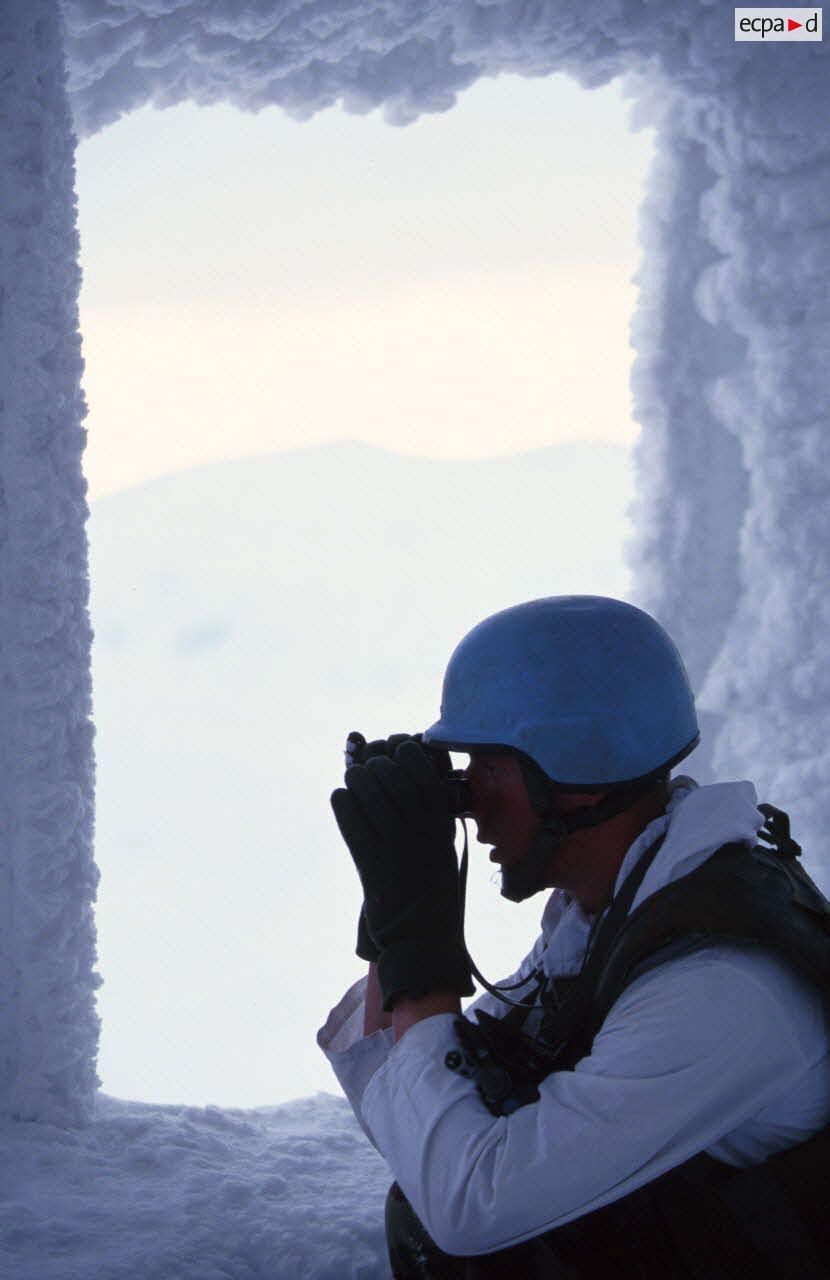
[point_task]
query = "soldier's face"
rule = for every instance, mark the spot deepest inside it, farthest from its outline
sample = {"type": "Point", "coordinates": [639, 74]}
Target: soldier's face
{"type": "Point", "coordinates": [500, 806]}
{"type": "Point", "coordinates": [507, 821]}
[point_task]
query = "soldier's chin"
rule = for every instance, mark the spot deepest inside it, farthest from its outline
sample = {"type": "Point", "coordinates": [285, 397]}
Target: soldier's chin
{"type": "Point", "coordinates": [529, 874]}
{"type": "Point", "coordinates": [519, 882]}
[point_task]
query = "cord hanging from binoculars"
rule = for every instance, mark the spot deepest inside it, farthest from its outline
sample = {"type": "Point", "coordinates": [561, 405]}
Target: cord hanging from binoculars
{"type": "Point", "coordinates": [498, 992]}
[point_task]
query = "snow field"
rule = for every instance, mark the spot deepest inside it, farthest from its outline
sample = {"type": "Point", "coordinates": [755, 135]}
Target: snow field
{"type": "Point", "coordinates": [185, 1193]}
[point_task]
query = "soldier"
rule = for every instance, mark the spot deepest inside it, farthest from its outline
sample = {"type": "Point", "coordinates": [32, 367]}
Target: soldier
{"type": "Point", "coordinates": [616, 1108]}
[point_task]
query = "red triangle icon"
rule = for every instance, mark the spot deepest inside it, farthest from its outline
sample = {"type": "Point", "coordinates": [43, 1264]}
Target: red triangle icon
{"type": "Point", "coordinates": [791, 26]}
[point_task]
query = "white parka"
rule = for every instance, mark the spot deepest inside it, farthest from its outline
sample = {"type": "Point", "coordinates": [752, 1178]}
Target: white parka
{"type": "Point", "coordinates": [724, 1050]}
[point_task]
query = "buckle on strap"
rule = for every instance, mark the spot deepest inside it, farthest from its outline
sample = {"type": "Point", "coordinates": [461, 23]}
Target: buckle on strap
{"type": "Point", "coordinates": [776, 831]}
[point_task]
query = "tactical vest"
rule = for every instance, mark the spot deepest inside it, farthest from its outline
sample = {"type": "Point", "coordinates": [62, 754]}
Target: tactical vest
{"type": "Point", "coordinates": [704, 1220]}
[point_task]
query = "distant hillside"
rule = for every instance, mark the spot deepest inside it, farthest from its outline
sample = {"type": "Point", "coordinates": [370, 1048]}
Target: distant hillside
{"type": "Point", "coordinates": [247, 615]}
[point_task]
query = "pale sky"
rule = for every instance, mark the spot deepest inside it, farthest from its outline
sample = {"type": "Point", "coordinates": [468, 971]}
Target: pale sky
{"type": "Point", "coordinates": [461, 287]}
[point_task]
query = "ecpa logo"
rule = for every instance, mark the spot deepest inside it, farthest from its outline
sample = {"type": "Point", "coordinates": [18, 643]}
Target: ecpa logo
{"type": "Point", "coordinates": [778, 24]}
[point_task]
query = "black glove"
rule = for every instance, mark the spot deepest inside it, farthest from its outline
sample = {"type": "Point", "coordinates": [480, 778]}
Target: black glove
{"type": "Point", "coordinates": [365, 947]}
{"type": "Point", "coordinates": [395, 817]}
{"type": "Point", "coordinates": [358, 751]}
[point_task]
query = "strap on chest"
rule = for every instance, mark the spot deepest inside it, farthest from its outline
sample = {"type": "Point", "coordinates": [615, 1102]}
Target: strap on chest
{"type": "Point", "coordinates": [759, 895]}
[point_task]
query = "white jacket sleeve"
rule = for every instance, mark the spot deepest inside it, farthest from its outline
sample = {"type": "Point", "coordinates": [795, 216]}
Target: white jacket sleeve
{"type": "Point", "coordinates": [354, 1058]}
{"type": "Point", "coordinates": [693, 1049]}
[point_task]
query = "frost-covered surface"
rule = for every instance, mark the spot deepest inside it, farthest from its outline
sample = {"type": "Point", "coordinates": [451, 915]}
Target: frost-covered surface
{"type": "Point", "coordinates": [48, 1029]}
{"type": "Point", "coordinates": [406, 56]}
{"type": "Point", "coordinates": [692, 487]}
{"type": "Point", "coordinates": [180, 1193]}
{"type": "Point", "coordinates": [732, 386]}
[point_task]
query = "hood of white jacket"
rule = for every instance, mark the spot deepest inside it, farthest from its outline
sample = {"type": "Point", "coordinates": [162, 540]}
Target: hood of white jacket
{"type": "Point", "coordinates": [697, 821]}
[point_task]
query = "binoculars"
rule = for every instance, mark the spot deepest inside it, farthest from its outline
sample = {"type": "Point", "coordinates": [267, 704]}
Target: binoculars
{"type": "Point", "coordinates": [458, 793]}
{"type": "Point", "coordinates": [459, 797]}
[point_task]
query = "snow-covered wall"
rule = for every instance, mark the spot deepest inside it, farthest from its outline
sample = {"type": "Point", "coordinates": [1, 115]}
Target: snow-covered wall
{"type": "Point", "coordinates": [768, 215]}
{"type": "Point", "coordinates": [730, 383]}
{"type": "Point", "coordinates": [48, 1027]}
{"type": "Point", "coordinates": [732, 386]}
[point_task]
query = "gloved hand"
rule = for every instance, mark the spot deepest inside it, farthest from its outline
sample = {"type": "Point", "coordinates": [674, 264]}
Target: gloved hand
{"type": "Point", "coordinates": [395, 817]}
{"type": "Point", "coordinates": [365, 947]}
{"type": "Point", "coordinates": [358, 751]}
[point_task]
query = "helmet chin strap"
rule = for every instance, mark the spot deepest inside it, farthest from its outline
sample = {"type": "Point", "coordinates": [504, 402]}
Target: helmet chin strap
{"type": "Point", "coordinates": [530, 874]}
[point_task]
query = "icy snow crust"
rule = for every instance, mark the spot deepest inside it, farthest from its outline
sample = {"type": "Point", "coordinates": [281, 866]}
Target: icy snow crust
{"type": "Point", "coordinates": [48, 1026]}
{"type": "Point", "coordinates": [406, 56]}
{"type": "Point", "coordinates": [181, 1193]}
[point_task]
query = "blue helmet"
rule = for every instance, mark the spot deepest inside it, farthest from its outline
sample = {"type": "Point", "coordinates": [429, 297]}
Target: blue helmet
{"type": "Point", "coordinates": [591, 689]}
